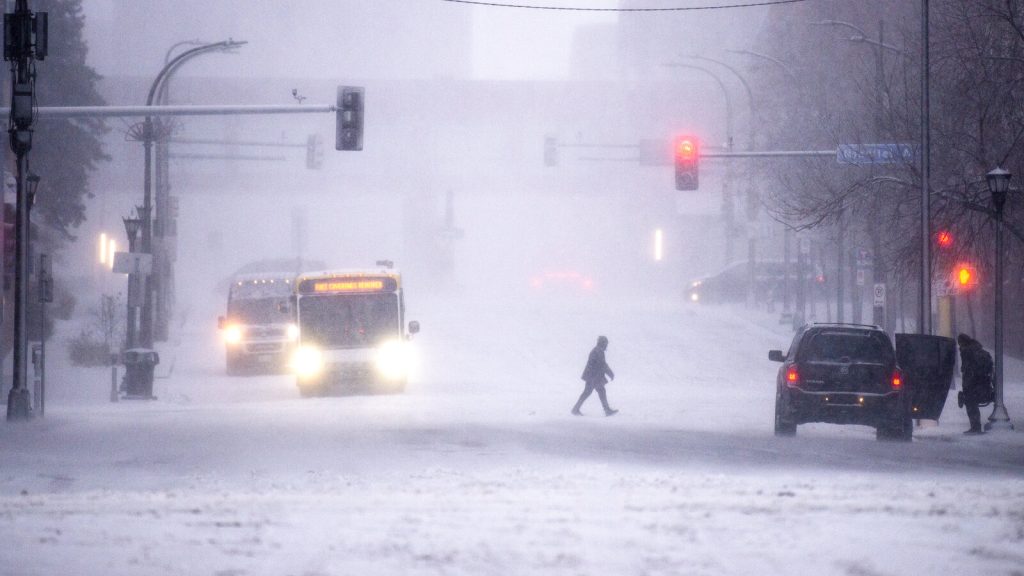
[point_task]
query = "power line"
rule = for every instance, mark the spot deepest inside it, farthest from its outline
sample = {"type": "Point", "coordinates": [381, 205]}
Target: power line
{"type": "Point", "coordinates": [673, 9]}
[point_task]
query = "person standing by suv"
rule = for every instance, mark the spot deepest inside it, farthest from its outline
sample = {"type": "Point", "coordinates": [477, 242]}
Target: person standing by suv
{"type": "Point", "coordinates": [976, 368]}
{"type": "Point", "coordinates": [595, 376]}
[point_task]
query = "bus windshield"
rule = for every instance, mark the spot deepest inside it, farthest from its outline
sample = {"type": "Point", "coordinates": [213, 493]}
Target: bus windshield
{"type": "Point", "coordinates": [348, 320]}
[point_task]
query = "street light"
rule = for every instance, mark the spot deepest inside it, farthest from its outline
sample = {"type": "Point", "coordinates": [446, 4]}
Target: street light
{"type": "Point", "coordinates": [999, 186]}
{"type": "Point", "coordinates": [752, 201]}
{"type": "Point", "coordinates": [149, 133]}
{"type": "Point", "coordinates": [131, 228]}
{"type": "Point", "coordinates": [788, 230]}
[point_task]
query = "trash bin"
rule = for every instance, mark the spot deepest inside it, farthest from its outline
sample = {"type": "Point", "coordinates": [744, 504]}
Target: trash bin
{"type": "Point", "coordinates": [138, 372]}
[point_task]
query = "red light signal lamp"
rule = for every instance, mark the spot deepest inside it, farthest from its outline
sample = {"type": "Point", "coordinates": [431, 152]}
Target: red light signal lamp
{"type": "Point", "coordinates": [944, 239]}
{"type": "Point", "coordinates": [686, 152]}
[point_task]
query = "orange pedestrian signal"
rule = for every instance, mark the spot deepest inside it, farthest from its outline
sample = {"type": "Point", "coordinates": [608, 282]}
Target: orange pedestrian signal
{"type": "Point", "coordinates": [965, 277]}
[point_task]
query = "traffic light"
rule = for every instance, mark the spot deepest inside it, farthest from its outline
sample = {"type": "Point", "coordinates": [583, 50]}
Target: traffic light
{"type": "Point", "coordinates": [686, 150]}
{"type": "Point", "coordinates": [965, 277]}
{"type": "Point", "coordinates": [314, 152]}
{"type": "Point", "coordinates": [349, 120]}
{"type": "Point", "coordinates": [944, 238]}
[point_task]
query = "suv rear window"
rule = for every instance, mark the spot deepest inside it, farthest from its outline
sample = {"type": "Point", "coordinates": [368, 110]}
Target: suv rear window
{"type": "Point", "coordinates": [847, 346]}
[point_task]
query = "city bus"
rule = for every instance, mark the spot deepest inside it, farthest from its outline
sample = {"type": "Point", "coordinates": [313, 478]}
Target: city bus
{"type": "Point", "coordinates": [352, 332]}
{"type": "Point", "coordinates": [258, 332]}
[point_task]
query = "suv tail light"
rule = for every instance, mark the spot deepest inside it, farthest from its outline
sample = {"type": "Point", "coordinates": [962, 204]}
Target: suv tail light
{"type": "Point", "coordinates": [792, 376]}
{"type": "Point", "coordinates": [897, 380]}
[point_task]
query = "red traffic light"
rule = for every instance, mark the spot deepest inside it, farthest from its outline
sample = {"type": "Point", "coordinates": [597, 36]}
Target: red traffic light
{"type": "Point", "coordinates": [686, 150]}
{"type": "Point", "coordinates": [944, 238]}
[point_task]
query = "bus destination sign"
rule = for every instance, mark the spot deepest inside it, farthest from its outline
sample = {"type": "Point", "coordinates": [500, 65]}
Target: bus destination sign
{"type": "Point", "coordinates": [347, 284]}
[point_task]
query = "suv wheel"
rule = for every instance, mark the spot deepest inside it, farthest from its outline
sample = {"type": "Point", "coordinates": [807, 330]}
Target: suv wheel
{"type": "Point", "coordinates": [783, 427]}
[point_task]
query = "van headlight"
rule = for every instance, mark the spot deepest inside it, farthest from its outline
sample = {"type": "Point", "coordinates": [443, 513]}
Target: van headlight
{"type": "Point", "coordinates": [292, 332]}
{"type": "Point", "coordinates": [233, 334]}
{"type": "Point", "coordinates": [307, 361]}
{"type": "Point", "coordinates": [394, 359]}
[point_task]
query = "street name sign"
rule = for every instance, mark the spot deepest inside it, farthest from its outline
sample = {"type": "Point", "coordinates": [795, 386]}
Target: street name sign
{"type": "Point", "coordinates": [866, 154]}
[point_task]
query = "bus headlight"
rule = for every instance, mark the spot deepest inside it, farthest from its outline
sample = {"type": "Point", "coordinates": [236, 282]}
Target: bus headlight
{"type": "Point", "coordinates": [308, 361]}
{"type": "Point", "coordinates": [233, 334]}
{"type": "Point", "coordinates": [394, 359]}
{"type": "Point", "coordinates": [292, 332]}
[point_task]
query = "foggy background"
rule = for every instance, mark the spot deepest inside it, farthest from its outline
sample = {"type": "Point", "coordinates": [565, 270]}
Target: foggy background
{"type": "Point", "coordinates": [459, 100]}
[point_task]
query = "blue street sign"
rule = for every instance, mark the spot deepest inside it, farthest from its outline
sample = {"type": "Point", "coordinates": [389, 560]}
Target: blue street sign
{"type": "Point", "coordinates": [861, 154]}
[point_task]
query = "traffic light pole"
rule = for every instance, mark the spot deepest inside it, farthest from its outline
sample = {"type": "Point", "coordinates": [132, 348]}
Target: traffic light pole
{"type": "Point", "coordinates": [24, 42]}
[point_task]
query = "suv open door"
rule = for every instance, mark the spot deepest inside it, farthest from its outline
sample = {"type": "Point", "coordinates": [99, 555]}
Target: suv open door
{"type": "Point", "coordinates": [927, 363]}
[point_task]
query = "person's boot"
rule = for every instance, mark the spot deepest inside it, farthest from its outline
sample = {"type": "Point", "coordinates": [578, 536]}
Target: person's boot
{"type": "Point", "coordinates": [610, 412]}
{"type": "Point", "coordinates": [974, 431]}
{"type": "Point", "coordinates": [576, 412]}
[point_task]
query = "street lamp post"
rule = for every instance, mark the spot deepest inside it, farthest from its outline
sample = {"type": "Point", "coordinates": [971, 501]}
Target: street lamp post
{"type": "Point", "coordinates": [788, 230]}
{"type": "Point", "coordinates": [999, 186]}
{"type": "Point", "coordinates": [148, 136]}
{"type": "Point", "coordinates": [131, 228]}
{"type": "Point", "coordinates": [752, 199]}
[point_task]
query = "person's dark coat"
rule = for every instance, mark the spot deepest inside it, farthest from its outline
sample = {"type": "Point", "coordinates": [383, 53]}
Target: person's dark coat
{"type": "Point", "coordinates": [597, 370]}
{"type": "Point", "coordinates": [976, 369]}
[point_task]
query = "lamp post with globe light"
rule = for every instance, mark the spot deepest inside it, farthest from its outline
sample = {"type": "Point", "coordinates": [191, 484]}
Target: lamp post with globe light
{"type": "Point", "coordinates": [131, 228]}
{"type": "Point", "coordinates": [999, 186]}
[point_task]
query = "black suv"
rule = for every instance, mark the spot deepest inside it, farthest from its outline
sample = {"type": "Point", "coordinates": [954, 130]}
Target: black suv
{"type": "Point", "coordinates": [850, 374]}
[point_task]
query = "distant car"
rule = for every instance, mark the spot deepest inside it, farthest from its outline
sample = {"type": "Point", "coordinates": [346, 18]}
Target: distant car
{"type": "Point", "coordinates": [850, 374]}
{"type": "Point", "coordinates": [731, 283]}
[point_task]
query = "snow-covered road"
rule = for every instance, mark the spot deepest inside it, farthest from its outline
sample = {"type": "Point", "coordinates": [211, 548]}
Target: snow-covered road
{"type": "Point", "coordinates": [480, 469]}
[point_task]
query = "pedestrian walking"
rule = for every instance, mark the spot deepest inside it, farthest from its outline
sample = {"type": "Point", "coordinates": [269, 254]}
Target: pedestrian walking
{"type": "Point", "coordinates": [976, 370]}
{"type": "Point", "coordinates": [595, 375]}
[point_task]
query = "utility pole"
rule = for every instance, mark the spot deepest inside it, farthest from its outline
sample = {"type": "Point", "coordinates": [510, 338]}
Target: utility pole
{"type": "Point", "coordinates": [25, 41]}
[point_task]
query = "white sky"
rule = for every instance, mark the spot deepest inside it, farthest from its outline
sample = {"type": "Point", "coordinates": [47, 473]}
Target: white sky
{"type": "Point", "coordinates": [545, 55]}
{"type": "Point", "coordinates": [501, 49]}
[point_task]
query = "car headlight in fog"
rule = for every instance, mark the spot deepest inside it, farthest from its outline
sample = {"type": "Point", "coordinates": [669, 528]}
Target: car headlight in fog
{"type": "Point", "coordinates": [394, 359]}
{"type": "Point", "coordinates": [307, 361]}
{"type": "Point", "coordinates": [233, 334]}
{"type": "Point", "coordinates": [292, 332]}
{"type": "Point", "coordinates": [694, 297]}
